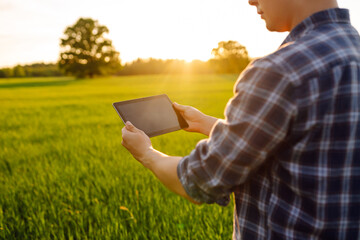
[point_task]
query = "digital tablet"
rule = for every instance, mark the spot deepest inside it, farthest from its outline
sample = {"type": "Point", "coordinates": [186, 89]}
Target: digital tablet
{"type": "Point", "coordinates": [154, 115]}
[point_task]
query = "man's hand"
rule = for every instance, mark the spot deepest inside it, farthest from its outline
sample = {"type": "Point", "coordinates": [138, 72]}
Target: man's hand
{"type": "Point", "coordinates": [137, 143]}
{"type": "Point", "coordinates": [163, 166]}
{"type": "Point", "coordinates": [198, 121]}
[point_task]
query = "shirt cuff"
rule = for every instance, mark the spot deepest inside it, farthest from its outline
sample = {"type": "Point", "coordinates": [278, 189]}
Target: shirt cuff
{"type": "Point", "coordinates": [192, 188]}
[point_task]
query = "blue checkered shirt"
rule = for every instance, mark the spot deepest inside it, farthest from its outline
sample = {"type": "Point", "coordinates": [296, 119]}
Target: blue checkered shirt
{"type": "Point", "coordinates": [289, 146]}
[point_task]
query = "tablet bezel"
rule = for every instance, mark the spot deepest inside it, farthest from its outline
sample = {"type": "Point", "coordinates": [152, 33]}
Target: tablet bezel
{"type": "Point", "coordinates": [182, 123]}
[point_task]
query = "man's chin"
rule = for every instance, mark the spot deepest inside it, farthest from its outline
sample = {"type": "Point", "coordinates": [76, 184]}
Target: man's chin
{"type": "Point", "coordinates": [274, 28]}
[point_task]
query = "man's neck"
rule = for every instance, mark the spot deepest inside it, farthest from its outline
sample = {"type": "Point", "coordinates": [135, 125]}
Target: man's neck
{"type": "Point", "coordinates": [313, 6]}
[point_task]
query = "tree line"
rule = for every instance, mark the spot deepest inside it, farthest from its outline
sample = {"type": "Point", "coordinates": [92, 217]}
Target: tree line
{"type": "Point", "coordinates": [86, 52]}
{"type": "Point", "coordinates": [31, 70]}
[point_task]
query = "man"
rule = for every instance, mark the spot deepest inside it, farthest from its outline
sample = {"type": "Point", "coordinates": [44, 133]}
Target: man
{"type": "Point", "coordinates": [289, 146]}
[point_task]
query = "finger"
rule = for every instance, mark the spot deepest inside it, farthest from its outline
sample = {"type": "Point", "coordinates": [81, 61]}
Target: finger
{"type": "Point", "coordinates": [129, 126]}
{"type": "Point", "coordinates": [124, 144]}
{"type": "Point", "coordinates": [123, 130]}
{"type": "Point", "coordinates": [127, 134]}
{"type": "Point", "coordinates": [125, 140]}
{"type": "Point", "coordinates": [124, 136]}
{"type": "Point", "coordinates": [179, 107]}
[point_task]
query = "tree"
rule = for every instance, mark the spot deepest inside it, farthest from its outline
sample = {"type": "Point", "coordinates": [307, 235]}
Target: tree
{"type": "Point", "coordinates": [86, 52]}
{"type": "Point", "coordinates": [230, 57]}
{"type": "Point", "coordinates": [19, 71]}
{"type": "Point", "coordinates": [2, 73]}
{"type": "Point", "coordinates": [6, 73]}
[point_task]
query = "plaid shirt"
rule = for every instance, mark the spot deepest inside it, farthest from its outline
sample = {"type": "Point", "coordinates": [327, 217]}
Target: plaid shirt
{"type": "Point", "coordinates": [289, 147]}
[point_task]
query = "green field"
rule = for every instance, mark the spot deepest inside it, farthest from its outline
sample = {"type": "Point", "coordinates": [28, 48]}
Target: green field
{"type": "Point", "coordinates": [65, 175]}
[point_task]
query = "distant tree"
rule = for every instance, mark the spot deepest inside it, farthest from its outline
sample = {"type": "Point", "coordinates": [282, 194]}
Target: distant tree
{"type": "Point", "coordinates": [42, 70]}
{"type": "Point", "coordinates": [6, 72]}
{"type": "Point", "coordinates": [2, 73]}
{"type": "Point", "coordinates": [32, 70]}
{"type": "Point", "coordinates": [168, 66]}
{"type": "Point", "coordinates": [86, 52]}
{"type": "Point", "coordinates": [230, 57]}
{"type": "Point", "coordinates": [19, 71]}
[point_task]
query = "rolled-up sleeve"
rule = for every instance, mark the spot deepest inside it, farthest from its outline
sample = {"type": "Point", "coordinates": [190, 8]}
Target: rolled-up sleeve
{"type": "Point", "coordinates": [256, 121]}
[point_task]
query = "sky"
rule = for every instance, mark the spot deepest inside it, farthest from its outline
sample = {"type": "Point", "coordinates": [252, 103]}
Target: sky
{"type": "Point", "coordinates": [30, 30]}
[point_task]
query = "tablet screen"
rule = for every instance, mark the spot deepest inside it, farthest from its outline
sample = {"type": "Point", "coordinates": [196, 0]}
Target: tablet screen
{"type": "Point", "coordinates": [154, 115]}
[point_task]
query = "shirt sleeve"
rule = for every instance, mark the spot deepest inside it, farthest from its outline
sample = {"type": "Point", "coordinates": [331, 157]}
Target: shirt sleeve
{"type": "Point", "coordinates": [256, 122]}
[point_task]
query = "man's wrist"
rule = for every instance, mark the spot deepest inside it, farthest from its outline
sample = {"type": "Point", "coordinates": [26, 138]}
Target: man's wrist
{"type": "Point", "coordinates": [148, 158]}
{"type": "Point", "coordinates": [151, 158]}
{"type": "Point", "coordinates": [208, 123]}
{"type": "Point", "coordinates": [164, 168]}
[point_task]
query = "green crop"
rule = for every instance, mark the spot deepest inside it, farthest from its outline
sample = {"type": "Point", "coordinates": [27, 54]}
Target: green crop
{"type": "Point", "coordinates": [65, 175]}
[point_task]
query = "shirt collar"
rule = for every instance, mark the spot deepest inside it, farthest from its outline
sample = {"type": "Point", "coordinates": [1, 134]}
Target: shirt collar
{"type": "Point", "coordinates": [333, 15]}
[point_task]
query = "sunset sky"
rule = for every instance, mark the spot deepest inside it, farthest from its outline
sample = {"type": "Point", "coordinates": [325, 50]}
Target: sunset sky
{"type": "Point", "coordinates": [30, 30]}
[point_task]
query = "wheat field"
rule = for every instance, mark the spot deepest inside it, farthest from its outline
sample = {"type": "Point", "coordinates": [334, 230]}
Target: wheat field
{"type": "Point", "coordinates": [65, 175]}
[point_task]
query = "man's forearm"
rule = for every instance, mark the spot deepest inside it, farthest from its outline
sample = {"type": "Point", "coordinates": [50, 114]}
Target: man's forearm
{"type": "Point", "coordinates": [165, 169]}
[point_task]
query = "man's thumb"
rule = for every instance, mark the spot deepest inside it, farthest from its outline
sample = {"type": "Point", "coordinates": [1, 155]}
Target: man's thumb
{"type": "Point", "coordinates": [130, 126]}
